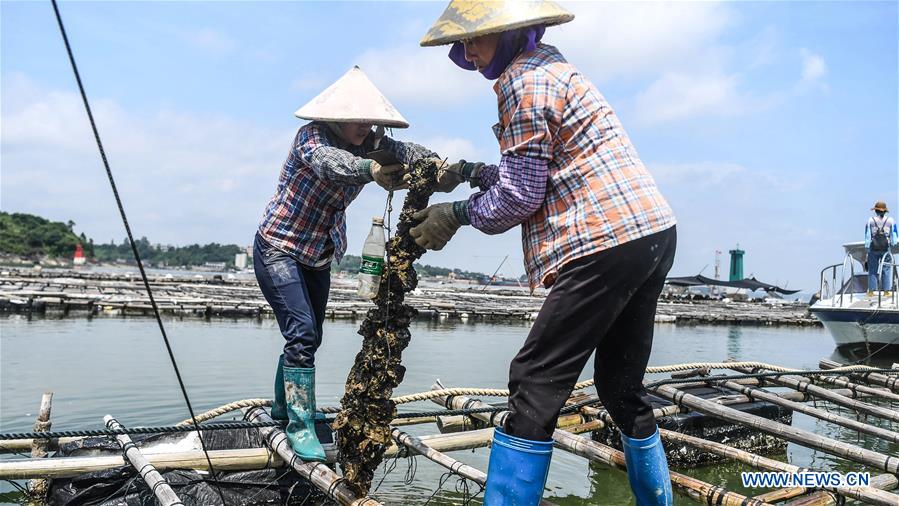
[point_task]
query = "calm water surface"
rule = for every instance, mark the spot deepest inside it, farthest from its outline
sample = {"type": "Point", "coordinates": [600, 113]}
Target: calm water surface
{"type": "Point", "coordinates": [119, 366]}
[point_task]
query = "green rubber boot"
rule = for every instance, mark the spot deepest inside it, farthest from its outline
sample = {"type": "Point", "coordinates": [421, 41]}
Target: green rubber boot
{"type": "Point", "coordinates": [279, 406]}
{"type": "Point", "coordinates": [299, 388]}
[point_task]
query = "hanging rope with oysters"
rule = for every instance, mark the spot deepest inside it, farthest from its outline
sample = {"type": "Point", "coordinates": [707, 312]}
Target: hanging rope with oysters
{"type": "Point", "coordinates": [363, 425]}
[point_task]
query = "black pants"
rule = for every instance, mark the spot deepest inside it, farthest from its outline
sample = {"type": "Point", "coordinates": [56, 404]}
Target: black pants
{"type": "Point", "coordinates": [604, 302]}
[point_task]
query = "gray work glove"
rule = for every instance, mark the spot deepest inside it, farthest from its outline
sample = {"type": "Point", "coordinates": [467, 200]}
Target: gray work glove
{"type": "Point", "coordinates": [438, 226]}
{"type": "Point", "coordinates": [448, 176]}
{"type": "Point", "coordinates": [389, 177]}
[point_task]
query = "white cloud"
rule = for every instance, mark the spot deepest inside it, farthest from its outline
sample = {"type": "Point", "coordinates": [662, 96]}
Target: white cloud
{"type": "Point", "coordinates": [182, 177]}
{"type": "Point", "coordinates": [814, 68]}
{"type": "Point", "coordinates": [453, 148]}
{"type": "Point", "coordinates": [423, 76]}
{"type": "Point", "coordinates": [211, 40]}
{"type": "Point", "coordinates": [638, 39]}
{"type": "Point", "coordinates": [678, 96]}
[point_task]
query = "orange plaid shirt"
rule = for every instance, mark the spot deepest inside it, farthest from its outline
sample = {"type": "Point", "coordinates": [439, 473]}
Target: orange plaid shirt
{"type": "Point", "coordinates": [598, 194]}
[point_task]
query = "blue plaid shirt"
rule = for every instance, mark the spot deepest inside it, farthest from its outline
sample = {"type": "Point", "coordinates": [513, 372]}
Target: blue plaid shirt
{"type": "Point", "coordinates": [305, 218]}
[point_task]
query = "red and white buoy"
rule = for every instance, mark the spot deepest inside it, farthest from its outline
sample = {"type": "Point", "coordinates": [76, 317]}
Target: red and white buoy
{"type": "Point", "coordinates": [79, 255]}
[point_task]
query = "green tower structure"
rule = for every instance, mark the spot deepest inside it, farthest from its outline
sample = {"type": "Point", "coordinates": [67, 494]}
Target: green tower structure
{"type": "Point", "coordinates": [736, 264]}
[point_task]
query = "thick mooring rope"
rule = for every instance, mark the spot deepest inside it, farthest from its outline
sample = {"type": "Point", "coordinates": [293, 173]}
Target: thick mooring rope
{"type": "Point", "coordinates": [186, 426]}
{"type": "Point", "coordinates": [501, 392]}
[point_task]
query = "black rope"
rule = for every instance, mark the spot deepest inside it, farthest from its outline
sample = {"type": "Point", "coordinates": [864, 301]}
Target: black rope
{"type": "Point", "coordinates": [140, 264]}
{"type": "Point", "coordinates": [17, 486]}
{"type": "Point", "coordinates": [388, 468]}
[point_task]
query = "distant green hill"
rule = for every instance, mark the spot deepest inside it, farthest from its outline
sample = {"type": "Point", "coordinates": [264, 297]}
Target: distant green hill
{"type": "Point", "coordinates": [30, 236]}
{"type": "Point", "coordinates": [174, 256]}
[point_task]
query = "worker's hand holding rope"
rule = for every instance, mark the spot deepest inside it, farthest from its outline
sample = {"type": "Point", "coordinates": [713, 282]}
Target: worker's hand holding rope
{"type": "Point", "coordinates": [390, 177]}
{"type": "Point", "coordinates": [438, 226]}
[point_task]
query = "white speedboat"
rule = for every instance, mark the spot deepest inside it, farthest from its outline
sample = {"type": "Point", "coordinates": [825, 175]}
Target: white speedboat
{"type": "Point", "coordinates": [855, 318]}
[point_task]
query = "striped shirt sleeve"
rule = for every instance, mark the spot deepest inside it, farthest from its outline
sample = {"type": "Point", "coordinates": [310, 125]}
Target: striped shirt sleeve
{"type": "Point", "coordinates": [517, 194]}
{"type": "Point", "coordinates": [488, 175]}
{"type": "Point", "coordinates": [328, 162]}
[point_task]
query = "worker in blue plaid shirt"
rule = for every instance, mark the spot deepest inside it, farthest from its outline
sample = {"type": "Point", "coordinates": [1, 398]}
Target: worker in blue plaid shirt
{"type": "Point", "coordinates": [304, 229]}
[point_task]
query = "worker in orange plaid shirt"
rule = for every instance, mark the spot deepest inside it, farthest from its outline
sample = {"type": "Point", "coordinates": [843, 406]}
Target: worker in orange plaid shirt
{"type": "Point", "coordinates": [594, 228]}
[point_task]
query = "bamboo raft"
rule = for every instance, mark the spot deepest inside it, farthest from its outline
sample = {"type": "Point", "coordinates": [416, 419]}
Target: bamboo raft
{"type": "Point", "coordinates": [84, 293]}
{"type": "Point", "coordinates": [731, 419]}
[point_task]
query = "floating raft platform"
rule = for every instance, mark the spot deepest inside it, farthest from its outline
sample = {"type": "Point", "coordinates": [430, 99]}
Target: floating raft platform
{"type": "Point", "coordinates": [82, 293]}
{"type": "Point", "coordinates": [704, 416]}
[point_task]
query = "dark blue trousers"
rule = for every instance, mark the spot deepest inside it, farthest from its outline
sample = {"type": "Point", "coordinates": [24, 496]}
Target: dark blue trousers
{"type": "Point", "coordinates": [298, 295]}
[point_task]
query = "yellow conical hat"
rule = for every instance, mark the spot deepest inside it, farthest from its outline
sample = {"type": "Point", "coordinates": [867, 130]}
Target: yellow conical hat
{"type": "Point", "coordinates": [353, 98]}
{"type": "Point", "coordinates": [464, 19]}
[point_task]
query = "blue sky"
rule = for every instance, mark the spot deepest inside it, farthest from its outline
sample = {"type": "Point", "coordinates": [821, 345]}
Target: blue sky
{"type": "Point", "coordinates": [770, 124]}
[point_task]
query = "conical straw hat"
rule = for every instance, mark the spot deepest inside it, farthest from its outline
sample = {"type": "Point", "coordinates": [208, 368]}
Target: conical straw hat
{"type": "Point", "coordinates": [353, 98]}
{"type": "Point", "coordinates": [465, 19]}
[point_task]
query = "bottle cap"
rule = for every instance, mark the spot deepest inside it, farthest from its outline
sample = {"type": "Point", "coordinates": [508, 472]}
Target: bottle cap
{"type": "Point", "coordinates": [377, 221]}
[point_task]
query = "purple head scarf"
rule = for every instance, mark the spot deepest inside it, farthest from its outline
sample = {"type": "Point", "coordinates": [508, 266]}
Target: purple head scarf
{"type": "Point", "coordinates": [511, 43]}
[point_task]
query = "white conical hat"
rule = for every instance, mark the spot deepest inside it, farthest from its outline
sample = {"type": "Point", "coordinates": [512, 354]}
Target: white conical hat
{"type": "Point", "coordinates": [353, 98]}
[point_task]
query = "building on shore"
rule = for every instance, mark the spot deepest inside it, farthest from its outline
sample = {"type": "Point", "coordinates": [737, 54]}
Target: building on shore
{"type": "Point", "coordinates": [240, 261]}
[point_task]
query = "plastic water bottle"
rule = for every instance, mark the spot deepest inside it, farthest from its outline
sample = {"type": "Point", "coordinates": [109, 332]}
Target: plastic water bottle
{"type": "Point", "coordinates": [372, 260]}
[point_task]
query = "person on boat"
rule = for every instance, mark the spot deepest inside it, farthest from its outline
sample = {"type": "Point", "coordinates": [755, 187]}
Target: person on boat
{"type": "Point", "coordinates": [303, 230]}
{"type": "Point", "coordinates": [594, 227]}
{"type": "Point", "coordinates": [880, 236]}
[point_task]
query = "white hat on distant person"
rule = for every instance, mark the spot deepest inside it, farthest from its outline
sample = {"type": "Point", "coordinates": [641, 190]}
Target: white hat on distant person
{"type": "Point", "coordinates": [353, 98]}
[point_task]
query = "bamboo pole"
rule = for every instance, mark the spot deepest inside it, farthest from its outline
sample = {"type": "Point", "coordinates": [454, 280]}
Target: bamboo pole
{"type": "Point", "coordinates": [793, 434]}
{"type": "Point", "coordinates": [782, 494]}
{"type": "Point", "coordinates": [223, 460]}
{"type": "Point", "coordinates": [871, 494]}
{"type": "Point", "coordinates": [823, 393]}
{"type": "Point", "coordinates": [874, 494]}
{"type": "Point", "coordinates": [875, 378]}
{"type": "Point", "coordinates": [724, 400]}
{"type": "Point", "coordinates": [462, 469]}
{"type": "Point", "coordinates": [464, 423]}
{"type": "Point", "coordinates": [319, 474]}
{"type": "Point", "coordinates": [842, 381]}
{"type": "Point", "coordinates": [37, 488]}
{"type": "Point", "coordinates": [694, 488]}
{"type": "Point", "coordinates": [579, 445]}
{"type": "Point", "coordinates": [820, 414]}
{"type": "Point", "coordinates": [20, 445]}
{"type": "Point", "coordinates": [160, 488]}
{"type": "Point", "coordinates": [68, 467]}
{"type": "Point", "coordinates": [827, 498]}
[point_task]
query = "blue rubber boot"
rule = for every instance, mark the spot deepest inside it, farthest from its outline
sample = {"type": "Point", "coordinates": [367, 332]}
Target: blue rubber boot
{"type": "Point", "coordinates": [279, 406]}
{"type": "Point", "coordinates": [299, 393]}
{"type": "Point", "coordinates": [517, 470]}
{"type": "Point", "coordinates": [647, 470]}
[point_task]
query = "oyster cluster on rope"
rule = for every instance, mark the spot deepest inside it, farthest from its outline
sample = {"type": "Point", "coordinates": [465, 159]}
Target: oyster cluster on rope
{"type": "Point", "coordinates": [363, 424]}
